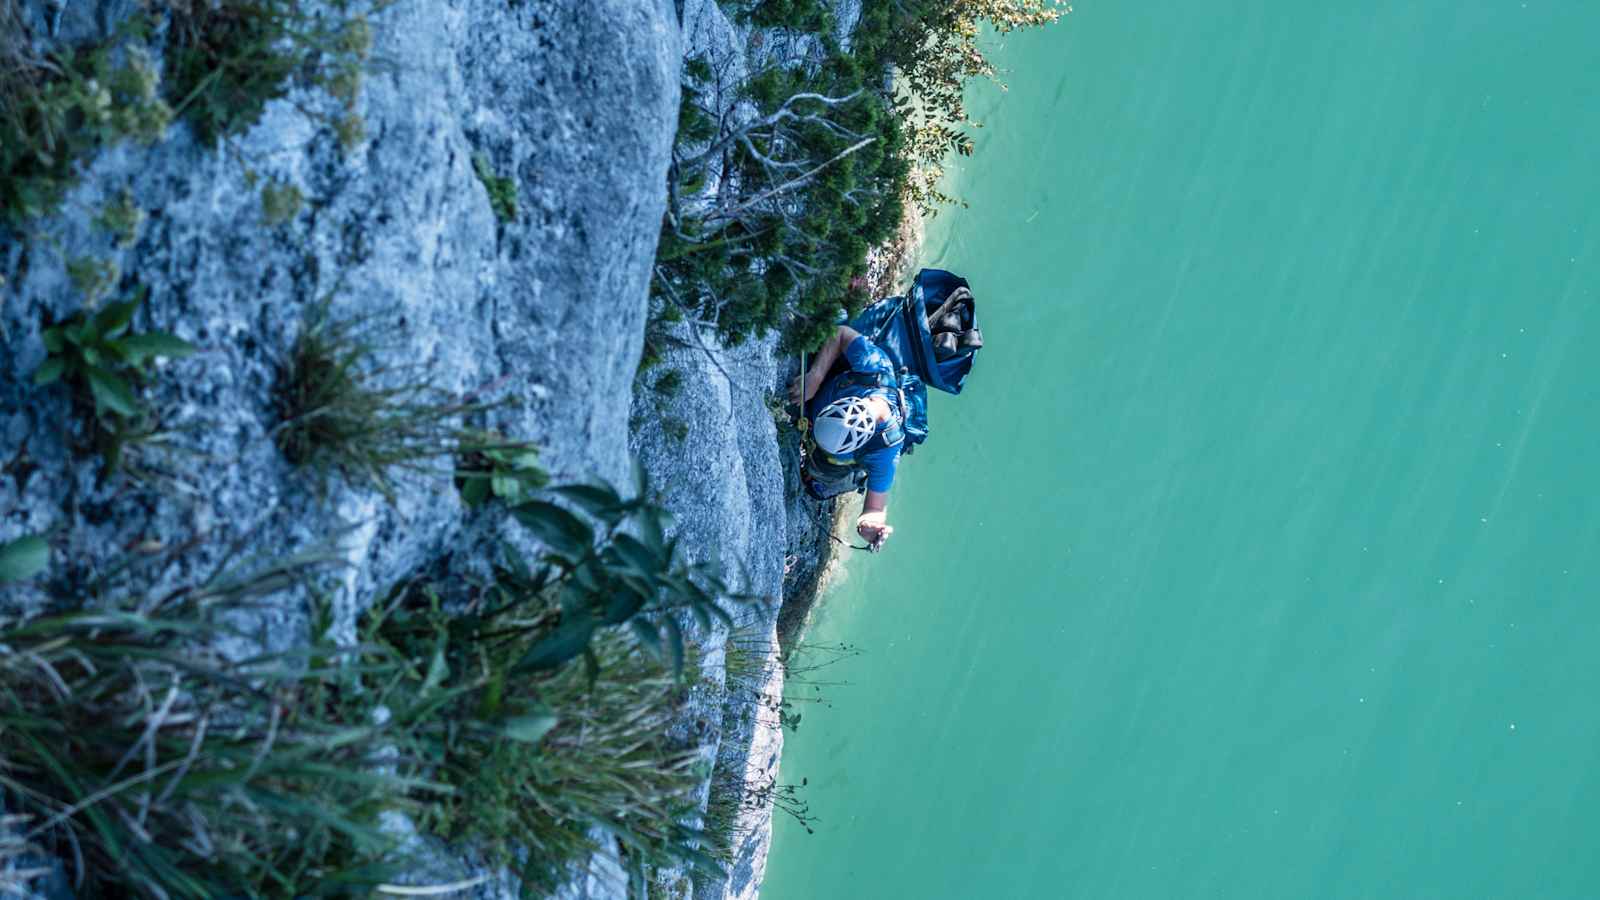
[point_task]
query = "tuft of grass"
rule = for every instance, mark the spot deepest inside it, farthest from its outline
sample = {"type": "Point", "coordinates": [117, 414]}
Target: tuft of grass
{"type": "Point", "coordinates": [155, 765]}
{"type": "Point", "coordinates": [502, 190]}
{"type": "Point", "coordinates": [226, 61]}
{"type": "Point", "coordinates": [340, 413]}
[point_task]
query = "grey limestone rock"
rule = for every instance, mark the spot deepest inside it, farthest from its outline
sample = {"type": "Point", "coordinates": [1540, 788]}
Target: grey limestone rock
{"type": "Point", "coordinates": [575, 102]}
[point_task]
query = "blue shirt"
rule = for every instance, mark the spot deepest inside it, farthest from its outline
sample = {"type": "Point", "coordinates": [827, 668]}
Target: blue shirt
{"type": "Point", "coordinates": [867, 358]}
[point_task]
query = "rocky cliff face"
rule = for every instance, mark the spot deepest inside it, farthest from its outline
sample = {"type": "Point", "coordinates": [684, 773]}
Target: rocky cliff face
{"type": "Point", "coordinates": [539, 309]}
{"type": "Point", "coordinates": [575, 102]}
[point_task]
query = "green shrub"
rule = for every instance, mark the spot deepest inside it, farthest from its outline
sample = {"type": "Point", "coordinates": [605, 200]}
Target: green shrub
{"type": "Point", "coordinates": [541, 751]}
{"type": "Point", "coordinates": [226, 61]}
{"type": "Point", "coordinates": [798, 15]}
{"type": "Point", "coordinates": [54, 113]}
{"type": "Point", "coordinates": [612, 565]}
{"type": "Point", "coordinates": [536, 760]}
{"type": "Point", "coordinates": [934, 47]}
{"type": "Point", "coordinates": [820, 174]}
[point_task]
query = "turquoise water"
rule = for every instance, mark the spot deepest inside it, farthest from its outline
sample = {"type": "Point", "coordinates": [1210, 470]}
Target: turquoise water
{"type": "Point", "coordinates": [1257, 559]}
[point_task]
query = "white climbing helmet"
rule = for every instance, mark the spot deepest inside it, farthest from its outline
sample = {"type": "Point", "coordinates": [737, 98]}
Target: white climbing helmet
{"type": "Point", "coordinates": [844, 425]}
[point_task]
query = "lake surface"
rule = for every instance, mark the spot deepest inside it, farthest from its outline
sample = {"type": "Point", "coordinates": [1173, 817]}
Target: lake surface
{"type": "Point", "coordinates": [1258, 558]}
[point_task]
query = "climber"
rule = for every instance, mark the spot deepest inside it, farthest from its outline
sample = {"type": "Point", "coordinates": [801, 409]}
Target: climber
{"type": "Point", "coordinates": [857, 421]}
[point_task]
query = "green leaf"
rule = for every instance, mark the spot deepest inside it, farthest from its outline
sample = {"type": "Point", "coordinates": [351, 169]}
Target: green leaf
{"type": "Point", "coordinates": [140, 347]}
{"type": "Point", "coordinates": [50, 372]}
{"type": "Point", "coordinates": [115, 317]}
{"type": "Point", "coordinates": [474, 490]}
{"type": "Point", "coordinates": [569, 639]}
{"type": "Point", "coordinates": [647, 633]}
{"type": "Point", "coordinates": [506, 485]}
{"type": "Point", "coordinates": [438, 669]}
{"type": "Point", "coordinates": [559, 529]}
{"type": "Point", "coordinates": [641, 480]}
{"type": "Point", "coordinates": [652, 532]}
{"type": "Point", "coordinates": [674, 641]}
{"type": "Point", "coordinates": [529, 728]}
{"type": "Point", "coordinates": [637, 555]}
{"type": "Point", "coordinates": [111, 392]}
{"type": "Point", "coordinates": [623, 606]}
{"type": "Point", "coordinates": [701, 860]}
{"type": "Point", "coordinates": [596, 498]}
{"type": "Point", "coordinates": [52, 340]}
{"type": "Point", "coordinates": [23, 558]}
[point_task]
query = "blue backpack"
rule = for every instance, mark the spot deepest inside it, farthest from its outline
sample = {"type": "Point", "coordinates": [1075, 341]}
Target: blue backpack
{"type": "Point", "coordinates": [931, 333]}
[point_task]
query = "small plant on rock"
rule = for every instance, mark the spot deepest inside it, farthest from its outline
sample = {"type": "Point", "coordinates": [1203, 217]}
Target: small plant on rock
{"type": "Point", "coordinates": [56, 112]}
{"type": "Point", "coordinates": [101, 361]}
{"type": "Point", "coordinates": [280, 203]}
{"type": "Point", "coordinates": [502, 190]}
{"type": "Point", "coordinates": [613, 565]}
{"type": "Point", "coordinates": [500, 470]}
{"type": "Point", "coordinates": [122, 218]}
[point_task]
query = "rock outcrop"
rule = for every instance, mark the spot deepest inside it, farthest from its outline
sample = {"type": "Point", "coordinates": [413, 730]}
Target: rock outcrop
{"type": "Point", "coordinates": [576, 103]}
{"type": "Point", "coordinates": [537, 309]}
{"type": "Point", "coordinates": [541, 312]}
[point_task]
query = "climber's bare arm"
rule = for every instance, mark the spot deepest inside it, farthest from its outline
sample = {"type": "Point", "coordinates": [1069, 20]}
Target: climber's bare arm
{"type": "Point", "coordinates": [824, 360]}
{"type": "Point", "coordinates": [873, 523]}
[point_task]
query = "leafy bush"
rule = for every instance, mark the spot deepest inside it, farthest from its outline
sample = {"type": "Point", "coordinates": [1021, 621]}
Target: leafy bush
{"type": "Point", "coordinates": [935, 49]}
{"type": "Point", "coordinates": [822, 172]}
{"type": "Point", "coordinates": [538, 760]}
{"type": "Point", "coordinates": [807, 187]}
{"type": "Point", "coordinates": [541, 752]}
{"type": "Point", "coordinates": [611, 564]}
{"type": "Point", "coordinates": [156, 764]}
